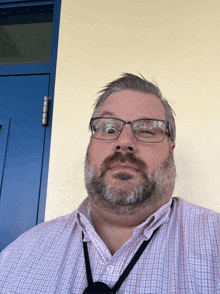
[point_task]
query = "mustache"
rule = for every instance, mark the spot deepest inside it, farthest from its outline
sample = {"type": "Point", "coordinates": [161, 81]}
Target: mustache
{"type": "Point", "coordinates": [120, 157]}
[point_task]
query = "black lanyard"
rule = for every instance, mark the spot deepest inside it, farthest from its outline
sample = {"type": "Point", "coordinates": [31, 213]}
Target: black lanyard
{"type": "Point", "coordinates": [102, 288]}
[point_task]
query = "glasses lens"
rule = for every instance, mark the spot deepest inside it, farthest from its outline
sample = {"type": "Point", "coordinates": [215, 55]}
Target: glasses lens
{"type": "Point", "coordinates": [106, 128]}
{"type": "Point", "coordinates": [151, 131]}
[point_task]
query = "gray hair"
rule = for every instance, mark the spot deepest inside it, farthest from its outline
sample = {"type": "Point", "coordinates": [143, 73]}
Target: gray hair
{"type": "Point", "coordinates": [132, 82]}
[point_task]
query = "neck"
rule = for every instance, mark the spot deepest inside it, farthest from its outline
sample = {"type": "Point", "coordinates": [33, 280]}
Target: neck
{"type": "Point", "coordinates": [114, 229]}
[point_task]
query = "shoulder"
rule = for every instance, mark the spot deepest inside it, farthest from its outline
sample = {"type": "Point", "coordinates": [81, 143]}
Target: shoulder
{"type": "Point", "coordinates": [193, 210]}
{"type": "Point", "coordinates": [50, 229]}
{"type": "Point", "coordinates": [194, 218]}
{"type": "Point", "coordinates": [40, 237]}
{"type": "Point", "coordinates": [36, 256]}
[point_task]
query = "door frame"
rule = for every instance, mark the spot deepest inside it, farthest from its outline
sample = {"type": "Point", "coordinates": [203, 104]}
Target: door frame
{"type": "Point", "coordinates": [39, 68]}
{"type": "Point", "coordinates": [5, 124]}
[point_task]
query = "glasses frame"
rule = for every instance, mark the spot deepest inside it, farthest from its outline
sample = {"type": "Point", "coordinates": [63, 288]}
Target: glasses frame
{"type": "Point", "coordinates": [130, 122]}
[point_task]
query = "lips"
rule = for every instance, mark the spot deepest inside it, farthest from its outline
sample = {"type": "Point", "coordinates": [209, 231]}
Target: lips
{"type": "Point", "coordinates": [126, 161]}
{"type": "Point", "coordinates": [126, 166]}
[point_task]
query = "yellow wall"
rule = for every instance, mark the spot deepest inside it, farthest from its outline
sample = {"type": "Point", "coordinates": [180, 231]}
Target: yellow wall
{"type": "Point", "coordinates": [175, 43]}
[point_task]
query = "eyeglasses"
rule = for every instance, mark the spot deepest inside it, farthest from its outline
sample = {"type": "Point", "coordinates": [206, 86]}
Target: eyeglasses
{"type": "Point", "coordinates": [145, 130]}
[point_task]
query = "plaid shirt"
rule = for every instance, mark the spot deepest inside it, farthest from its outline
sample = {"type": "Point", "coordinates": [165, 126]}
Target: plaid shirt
{"type": "Point", "coordinates": [182, 257]}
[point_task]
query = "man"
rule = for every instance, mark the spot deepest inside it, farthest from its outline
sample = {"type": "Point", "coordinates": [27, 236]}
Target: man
{"type": "Point", "coordinates": [128, 216]}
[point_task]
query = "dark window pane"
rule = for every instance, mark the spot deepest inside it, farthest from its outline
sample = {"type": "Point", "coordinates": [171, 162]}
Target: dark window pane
{"type": "Point", "coordinates": [25, 35]}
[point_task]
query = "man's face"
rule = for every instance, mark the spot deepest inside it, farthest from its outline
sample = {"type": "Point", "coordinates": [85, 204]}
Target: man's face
{"type": "Point", "coordinates": [126, 173]}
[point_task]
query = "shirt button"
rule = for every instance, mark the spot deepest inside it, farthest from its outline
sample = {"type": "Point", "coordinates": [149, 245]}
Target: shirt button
{"type": "Point", "coordinates": [110, 269]}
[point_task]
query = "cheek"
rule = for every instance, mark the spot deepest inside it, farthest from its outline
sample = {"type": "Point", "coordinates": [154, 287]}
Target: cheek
{"type": "Point", "coordinates": [155, 156]}
{"type": "Point", "coordinates": [96, 152]}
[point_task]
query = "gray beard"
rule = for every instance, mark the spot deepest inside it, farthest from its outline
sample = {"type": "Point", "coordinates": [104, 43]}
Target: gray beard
{"type": "Point", "coordinates": [127, 200]}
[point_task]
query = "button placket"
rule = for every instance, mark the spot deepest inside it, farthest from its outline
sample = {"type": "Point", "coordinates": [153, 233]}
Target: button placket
{"type": "Point", "coordinates": [110, 269]}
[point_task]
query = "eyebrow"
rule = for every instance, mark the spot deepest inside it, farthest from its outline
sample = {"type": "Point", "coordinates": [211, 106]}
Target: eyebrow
{"type": "Point", "coordinates": [107, 113]}
{"type": "Point", "coordinates": [111, 114]}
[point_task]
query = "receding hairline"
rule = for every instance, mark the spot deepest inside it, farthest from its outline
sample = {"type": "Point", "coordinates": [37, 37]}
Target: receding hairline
{"type": "Point", "coordinates": [99, 107]}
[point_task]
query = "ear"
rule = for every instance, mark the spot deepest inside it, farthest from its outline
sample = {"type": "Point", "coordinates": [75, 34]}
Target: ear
{"type": "Point", "coordinates": [172, 145]}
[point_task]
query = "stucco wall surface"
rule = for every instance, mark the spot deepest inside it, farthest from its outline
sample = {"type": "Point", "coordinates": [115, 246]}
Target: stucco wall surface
{"type": "Point", "coordinates": [174, 43]}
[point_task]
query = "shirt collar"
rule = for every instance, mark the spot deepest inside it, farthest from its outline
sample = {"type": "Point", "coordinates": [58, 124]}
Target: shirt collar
{"type": "Point", "coordinates": [159, 217]}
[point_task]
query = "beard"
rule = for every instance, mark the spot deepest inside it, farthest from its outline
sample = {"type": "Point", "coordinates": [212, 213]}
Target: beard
{"type": "Point", "coordinates": [129, 197]}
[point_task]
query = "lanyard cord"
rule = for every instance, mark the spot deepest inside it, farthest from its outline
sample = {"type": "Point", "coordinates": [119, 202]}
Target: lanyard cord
{"type": "Point", "coordinates": [88, 268]}
{"type": "Point", "coordinates": [125, 272]}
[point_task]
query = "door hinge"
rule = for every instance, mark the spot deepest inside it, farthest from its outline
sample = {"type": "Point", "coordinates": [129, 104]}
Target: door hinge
{"type": "Point", "coordinates": [45, 111]}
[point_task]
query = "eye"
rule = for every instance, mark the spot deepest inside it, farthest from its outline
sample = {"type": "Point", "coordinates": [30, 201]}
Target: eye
{"type": "Point", "coordinates": [146, 131]}
{"type": "Point", "coordinates": [110, 130]}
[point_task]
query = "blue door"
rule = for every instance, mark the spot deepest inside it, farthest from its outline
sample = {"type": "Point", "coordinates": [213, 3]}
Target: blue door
{"type": "Point", "coordinates": [21, 152]}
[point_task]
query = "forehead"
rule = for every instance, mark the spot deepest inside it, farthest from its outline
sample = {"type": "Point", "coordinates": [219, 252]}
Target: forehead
{"type": "Point", "coordinates": [132, 105]}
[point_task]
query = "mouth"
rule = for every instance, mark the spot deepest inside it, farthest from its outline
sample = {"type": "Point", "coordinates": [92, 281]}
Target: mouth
{"type": "Point", "coordinates": [122, 163]}
{"type": "Point", "coordinates": [123, 167]}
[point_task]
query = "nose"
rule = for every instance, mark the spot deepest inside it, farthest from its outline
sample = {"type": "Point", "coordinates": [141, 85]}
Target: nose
{"type": "Point", "coordinates": [126, 142]}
